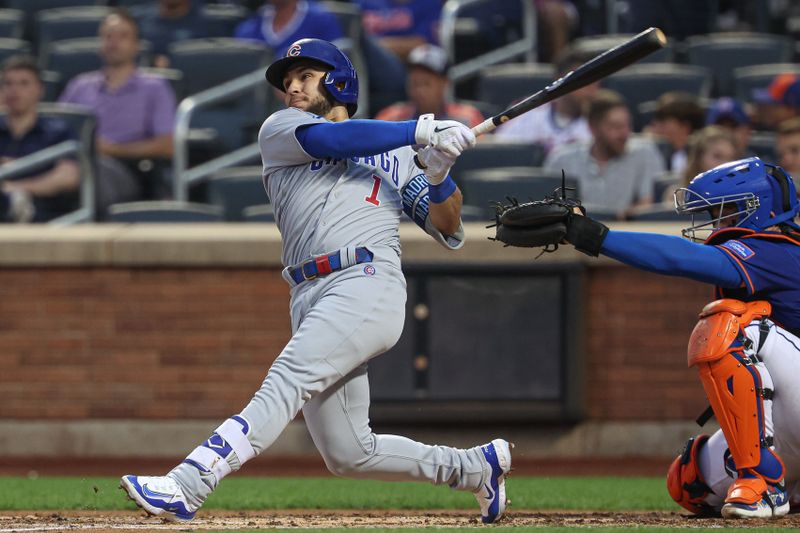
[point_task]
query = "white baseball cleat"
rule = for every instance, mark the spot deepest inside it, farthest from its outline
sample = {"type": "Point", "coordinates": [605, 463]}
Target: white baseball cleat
{"type": "Point", "coordinates": [492, 494]}
{"type": "Point", "coordinates": [774, 503]}
{"type": "Point", "coordinates": [158, 496]}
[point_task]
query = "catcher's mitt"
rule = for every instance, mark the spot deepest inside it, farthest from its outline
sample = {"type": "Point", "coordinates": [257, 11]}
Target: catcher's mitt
{"type": "Point", "coordinates": [534, 224]}
{"type": "Point", "coordinates": [548, 223]}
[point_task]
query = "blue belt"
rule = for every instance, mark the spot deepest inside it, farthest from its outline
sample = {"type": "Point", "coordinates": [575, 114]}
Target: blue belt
{"type": "Point", "coordinates": [324, 265]}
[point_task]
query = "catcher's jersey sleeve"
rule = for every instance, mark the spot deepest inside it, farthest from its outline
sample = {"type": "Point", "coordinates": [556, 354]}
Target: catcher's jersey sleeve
{"type": "Point", "coordinates": [770, 272]}
{"type": "Point", "coordinates": [277, 140]}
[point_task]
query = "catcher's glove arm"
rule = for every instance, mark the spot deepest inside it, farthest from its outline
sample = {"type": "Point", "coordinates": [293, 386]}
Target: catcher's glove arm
{"type": "Point", "coordinates": [548, 223]}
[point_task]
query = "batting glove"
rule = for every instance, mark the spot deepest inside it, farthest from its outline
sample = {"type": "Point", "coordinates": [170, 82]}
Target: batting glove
{"type": "Point", "coordinates": [435, 163]}
{"type": "Point", "coordinates": [449, 136]}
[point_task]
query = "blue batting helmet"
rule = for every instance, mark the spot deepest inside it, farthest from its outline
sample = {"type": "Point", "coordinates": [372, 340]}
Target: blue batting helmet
{"type": "Point", "coordinates": [341, 81]}
{"type": "Point", "coordinates": [752, 194]}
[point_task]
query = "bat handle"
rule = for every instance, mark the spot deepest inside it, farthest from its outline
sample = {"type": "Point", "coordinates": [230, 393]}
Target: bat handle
{"type": "Point", "coordinates": [484, 127]}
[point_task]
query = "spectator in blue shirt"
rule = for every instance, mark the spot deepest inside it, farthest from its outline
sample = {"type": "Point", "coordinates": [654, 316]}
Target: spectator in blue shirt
{"type": "Point", "coordinates": [52, 189]}
{"type": "Point", "coordinates": [401, 25]}
{"type": "Point", "coordinates": [279, 23]}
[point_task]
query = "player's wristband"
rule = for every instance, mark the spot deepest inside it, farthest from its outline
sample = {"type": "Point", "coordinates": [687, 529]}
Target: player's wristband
{"type": "Point", "coordinates": [441, 192]}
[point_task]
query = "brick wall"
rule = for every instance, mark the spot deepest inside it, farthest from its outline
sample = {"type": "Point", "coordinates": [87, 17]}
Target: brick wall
{"type": "Point", "coordinates": [159, 343]}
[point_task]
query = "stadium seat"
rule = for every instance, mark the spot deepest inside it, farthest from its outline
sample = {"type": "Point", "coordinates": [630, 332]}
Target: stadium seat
{"type": "Point", "coordinates": [233, 120]}
{"type": "Point", "coordinates": [496, 154]}
{"type": "Point", "coordinates": [663, 184]}
{"type": "Point", "coordinates": [258, 213]}
{"type": "Point", "coordinates": [31, 7]}
{"type": "Point", "coordinates": [164, 212]}
{"type": "Point", "coordinates": [722, 53]}
{"type": "Point", "coordinates": [500, 85]}
{"type": "Point", "coordinates": [236, 188]}
{"type": "Point", "coordinates": [747, 79]}
{"type": "Point", "coordinates": [643, 83]}
{"type": "Point", "coordinates": [224, 18]}
{"type": "Point", "coordinates": [67, 23]}
{"type": "Point", "coordinates": [71, 57]}
{"type": "Point", "coordinates": [482, 187]}
{"type": "Point", "coordinates": [349, 17]}
{"type": "Point", "coordinates": [11, 23]}
{"type": "Point", "coordinates": [11, 47]}
{"type": "Point", "coordinates": [597, 44]}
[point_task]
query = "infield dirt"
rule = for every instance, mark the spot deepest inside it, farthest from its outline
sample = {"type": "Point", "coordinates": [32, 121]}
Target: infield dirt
{"type": "Point", "coordinates": [302, 519]}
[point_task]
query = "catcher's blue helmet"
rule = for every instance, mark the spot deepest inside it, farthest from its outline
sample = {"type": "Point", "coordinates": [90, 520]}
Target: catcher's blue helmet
{"type": "Point", "coordinates": [762, 195]}
{"type": "Point", "coordinates": [341, 80]}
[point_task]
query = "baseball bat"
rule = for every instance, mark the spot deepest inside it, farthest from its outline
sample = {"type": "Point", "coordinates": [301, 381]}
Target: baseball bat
{"type": "Point", "coordinates": [601, 66]}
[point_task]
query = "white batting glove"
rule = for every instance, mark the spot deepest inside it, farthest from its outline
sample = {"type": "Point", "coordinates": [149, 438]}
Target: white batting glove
{"type": "Point", "coordinates": [435, 163]}
{"type": "Point", "coordinates": [449, 136]}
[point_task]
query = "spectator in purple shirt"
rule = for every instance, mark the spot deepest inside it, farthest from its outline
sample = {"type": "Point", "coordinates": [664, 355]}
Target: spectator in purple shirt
{"type": "Point", "coordinates": [279, 23]}
{"type": "Point", "coordinates": [135, 115]}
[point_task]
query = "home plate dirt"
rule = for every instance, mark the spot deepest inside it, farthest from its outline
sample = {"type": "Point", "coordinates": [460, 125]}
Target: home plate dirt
{"type": "Point", "coordinates": [301, 519]}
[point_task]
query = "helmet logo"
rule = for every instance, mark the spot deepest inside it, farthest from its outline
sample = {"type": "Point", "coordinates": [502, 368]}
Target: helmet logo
{"type": "Point", "coordinates": [293, 51]}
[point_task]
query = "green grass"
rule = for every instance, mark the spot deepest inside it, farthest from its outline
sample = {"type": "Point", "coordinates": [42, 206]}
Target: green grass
{"type": "Point", "coordinates": [629, 493]}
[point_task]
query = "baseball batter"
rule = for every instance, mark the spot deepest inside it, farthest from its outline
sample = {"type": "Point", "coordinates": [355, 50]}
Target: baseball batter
{"type": "Point", "coordinates": [339, 188]}
{"type": "Point", "coordinates": [746, 345]}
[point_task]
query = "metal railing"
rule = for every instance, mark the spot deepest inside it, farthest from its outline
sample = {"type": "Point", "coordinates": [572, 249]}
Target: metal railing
{"type": "Point", "coordinates": [183, 176]}
{"type": "Point", "coordinates": [525, 46]}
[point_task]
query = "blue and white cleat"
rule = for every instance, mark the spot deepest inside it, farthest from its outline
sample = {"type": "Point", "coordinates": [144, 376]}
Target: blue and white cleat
{"type": "Point", "coordinates": [774, 500]}
{"type": "Point", "coordinates": [158, 495]}
{"type": "Point", "coordinates": [492, 495]}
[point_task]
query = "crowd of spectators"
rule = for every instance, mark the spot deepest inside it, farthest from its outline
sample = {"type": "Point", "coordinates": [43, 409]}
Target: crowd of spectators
{"type": "Point", "coordinates": [589, 133]}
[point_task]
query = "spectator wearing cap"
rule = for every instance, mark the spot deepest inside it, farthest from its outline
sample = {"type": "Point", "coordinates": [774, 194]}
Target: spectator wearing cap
{"type": "Point", "coordinates": [135, 116]}
{"type": "Point", "coordinates": [52, 189]}
{"type": "Point", "coordinates": [778, 102]}
{"type": "Point", "coordinates": [279, 23]}
{"type": "Point", "coordinates": [676, 117]}
{"type": "Point", "coordinates": [427, 90]}
{"type": "Point", "coordinates": [728, 113]}
{"type": "Point", "coordinates": [787, 146]}
{"type": "Point", "coordinates": [559, 122]}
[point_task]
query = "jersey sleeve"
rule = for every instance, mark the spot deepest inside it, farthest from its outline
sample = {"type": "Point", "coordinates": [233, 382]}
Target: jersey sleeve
{"type": "Point", "coordinates": [278, 142]}
{"type": "Point", "coordinates": [416, 204]}
{"type": "Point", "coordinates": [762, 264]}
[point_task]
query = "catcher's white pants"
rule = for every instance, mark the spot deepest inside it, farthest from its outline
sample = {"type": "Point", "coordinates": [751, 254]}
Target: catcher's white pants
{"type": "Point", "coordinates": [781, 356]}
{"type": "Point", "coordinates": [339, 323]}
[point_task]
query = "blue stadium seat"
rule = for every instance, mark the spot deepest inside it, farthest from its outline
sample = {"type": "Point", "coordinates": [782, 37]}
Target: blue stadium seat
{"type": "Point", "coordinates": [501, 85]}
{"type": "Point", "coordinates": [594, 45]}
{"type": "Point", "coordinates": [747, 79]}
{"type": "Point", "coordinates": [31, 7]}
{"type": "Point", "coordinates": [643, 83]}
{"type": "Point", "coordinates": [11, 23]}
{"type": "Point", "coordinates": [224, 18]}
{"type": "Point", "coordinates": [234, 120]}
{"type": "Point", "coordinates": [11, 47]}
{"type": "Point", "coordinates": [482, 187]}
{"type": "Point", "coordinates": [67, 23]}
{"type": "Point", "coordinates": [235, 189]}
{"type": "Point", "coordinates": [259, 213]}
{"type": "Point", "coordinates": [497, 154]}
{"type": "Point", "coordinates": [723, 52]}
{"type": "Point", "coordinates": [164, 212]}
{"type": "Point", "coordinates": [71, 57]}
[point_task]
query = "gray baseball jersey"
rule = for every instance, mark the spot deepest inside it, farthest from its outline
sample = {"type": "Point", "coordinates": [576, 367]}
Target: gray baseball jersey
{"type": "Point", "coordinates": [326, 205]}
{"type": "Point", "coordinates": [339, 321]}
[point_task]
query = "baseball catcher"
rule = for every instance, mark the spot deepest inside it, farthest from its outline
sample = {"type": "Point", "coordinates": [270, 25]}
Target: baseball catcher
{"type": "Point", "coordinates": [744, 239]}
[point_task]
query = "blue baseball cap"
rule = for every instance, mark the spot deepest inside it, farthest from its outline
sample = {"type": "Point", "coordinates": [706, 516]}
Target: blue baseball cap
{"type": "Point", "coordinates": [726, 108]}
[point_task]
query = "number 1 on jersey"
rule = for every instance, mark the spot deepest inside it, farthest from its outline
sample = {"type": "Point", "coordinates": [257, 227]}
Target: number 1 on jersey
{"type": "Point", "coordinates": [373, 197]}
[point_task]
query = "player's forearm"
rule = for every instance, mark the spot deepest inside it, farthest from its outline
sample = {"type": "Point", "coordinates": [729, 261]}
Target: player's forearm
{"type": "Point", "coordinates": [355, 138]}
{"type": "Point", "coordinates": [673, 256]}
{"type": "Point", "coordinates": [446, 216]}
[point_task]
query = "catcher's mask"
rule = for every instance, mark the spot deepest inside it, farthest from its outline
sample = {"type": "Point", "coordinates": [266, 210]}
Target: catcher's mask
{"type": "Point", "coordinates": [341, 81]}
{"type": "Point", "coordinates": [747, 193]}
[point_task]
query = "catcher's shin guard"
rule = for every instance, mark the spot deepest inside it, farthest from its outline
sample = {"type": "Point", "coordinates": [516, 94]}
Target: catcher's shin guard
{"type": "Point", "coordinates": [732, 380]}
{"type": "Point", "coordinates": [685, 481]}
